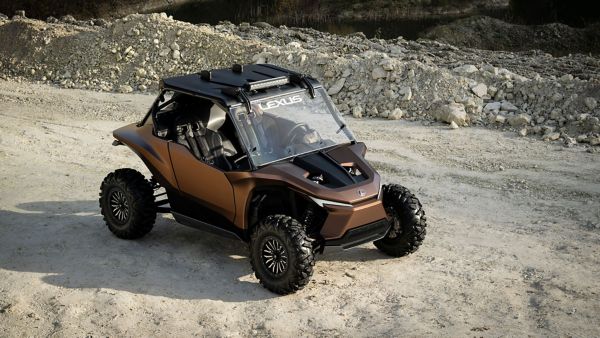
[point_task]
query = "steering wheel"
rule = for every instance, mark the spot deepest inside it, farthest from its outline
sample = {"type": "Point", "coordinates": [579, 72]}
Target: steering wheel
{"type": "Point", "coordinates": [292, 133]}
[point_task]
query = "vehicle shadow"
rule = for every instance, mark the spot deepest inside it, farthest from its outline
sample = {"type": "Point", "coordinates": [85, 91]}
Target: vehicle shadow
{"type": "Point", "coordinates": [69, 242]}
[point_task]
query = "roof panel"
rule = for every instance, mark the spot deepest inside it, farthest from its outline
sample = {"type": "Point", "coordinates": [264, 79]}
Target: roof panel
{"type": "Point", "coordinates": [223, 78]}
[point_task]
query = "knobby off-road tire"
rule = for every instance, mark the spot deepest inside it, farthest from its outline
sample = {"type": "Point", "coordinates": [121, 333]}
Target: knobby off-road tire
{"type": "Point", "coordinates": [281, 254]}
{"type": "Point", "coordinates": [408, 221]}
{"type": "Point", "coordinates": [127, 203]}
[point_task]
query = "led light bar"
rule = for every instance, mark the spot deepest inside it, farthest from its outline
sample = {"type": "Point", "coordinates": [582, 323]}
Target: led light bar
{"type": "Point", "coordinates": [257, 85]}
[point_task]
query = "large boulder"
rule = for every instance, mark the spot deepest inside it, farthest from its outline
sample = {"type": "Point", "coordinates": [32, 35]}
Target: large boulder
{"type": "Point", "coordinates": [453, 112]}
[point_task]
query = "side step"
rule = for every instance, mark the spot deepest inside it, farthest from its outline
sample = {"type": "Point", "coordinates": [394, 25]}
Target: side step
{"type": "Point", "coordinates": [200, 225]}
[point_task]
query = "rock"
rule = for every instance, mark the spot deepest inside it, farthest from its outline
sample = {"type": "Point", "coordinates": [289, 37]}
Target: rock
{"type": "Point", "coordinates": [566, 78]}
{"type": "Point", "coordinates": [357, 112]}
{"type": "Point", "coordinates": [569, 141]}
{"type": "Point", "coordinates": [453, 112]}
{"type": "Point", "coordinates": [295, 44]}
{"type": "Point", "coordinates": [174, 46]}
{"type": "Point", "coordinates": [480, 90]}
{"type": "Point", "coordinates": [261, 24]}
{"type": "Point", "coordinates": [68, 19]}
{"type": "Point", "coordinates": [552, 136]}
{"type": "Point", "coordinates": [595, 141]}
{"type": "Point", "coordinates": [500, 119]}
{"type": "Point", "coordinates": [523, 132]}
{"type": "Point", "coordinates": [396, 114]}
{"type": "Point", "coordinates": [556, 113]}
{"type": "Point", "coordinates": [373, 111]}
{"type": "Point", "coordinates": [337, 86]}
{"type": "Point", "coordinates": [582, 138]}
{"type": "Point", "coordinates": [492, 107]}
{"type": "Point", "coordinates": [164, 52]}
{"type": "Point", "coordinates": [405, 93]}
{"type": "Point", "coordinates": [507, 106]}
{"type": "Point", "coordinates": [378, 73]}
{"type": "Point", "coordinates": [520, 120]}
{"type": "Point", "coordinates": [176, 55]}
{"type": "Point", "coordinates": [466, 69]}
{"type": "Point", "coordinates": [557, 97]}
{"type": "Point", "coordinates": [453, 125]}
{"type": "Point", "coordinates": [387, 65]}
{"type": "Point", "coordinates": [590, 103]}
{"type": "Point", "coordinates": [125, 89]}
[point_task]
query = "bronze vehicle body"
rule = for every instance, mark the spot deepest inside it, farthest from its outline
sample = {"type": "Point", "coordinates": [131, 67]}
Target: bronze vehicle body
{"type": "Point", "coordinates": [261, 154]}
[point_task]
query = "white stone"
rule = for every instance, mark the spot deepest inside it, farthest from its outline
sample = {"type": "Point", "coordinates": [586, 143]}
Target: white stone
{"type": "Point", "coordinates": [357, 112]}
{"type": "Point", "coordinates": [176, 55]}
{"type": "Point", "coordinates": [552, 136]}
{"type": "Point", "coordinates": [453, 125]}
{"type": "Point", "coordinates": [405, 93]}
{"type": "Point", "coordinates": [452, 112]}
{"type": "Point", "coordinates": [337, 86]}
{"type": "Point", "coordinates": [555, 113]}
{"type": "Point", "coordinates": [480, 90]}
{"type": "Point", "coordinates": [591, 103]}
{"type": "Point", "coordinates": [378, 73]}
{"type": "Point", "coordinates": [164, 52]}
{"type": "Point", "coordinates": [519, 120]}
{"type": "Point", "coordinates": [125, 89]}
{"type": "Point", "coordinates": [174, 46]}
{"type": "Point", "coordinates": [492, 107]}
{"type": "Point", "coordinates": [466, 69]}
{"type": "Point", "coordinates": [523, 132]}
{"type": "Point", "coordinates": [507, 106]}
{"type": "Point", "coordinates": [387, 65]}
{"type": "Point", "coordinates": [396, 114]}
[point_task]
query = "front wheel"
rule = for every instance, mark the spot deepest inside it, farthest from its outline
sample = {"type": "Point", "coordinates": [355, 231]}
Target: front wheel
{"type": "Point", "coordinates": [281, 254]}
{"type": "Point", "coordinates": [408, 222]}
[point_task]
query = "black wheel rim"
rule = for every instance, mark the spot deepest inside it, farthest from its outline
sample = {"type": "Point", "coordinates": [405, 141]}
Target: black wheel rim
{"type": "Point", "coordinates": [274, 256]}
{"type": "Point", "coordinates": [119, 206]}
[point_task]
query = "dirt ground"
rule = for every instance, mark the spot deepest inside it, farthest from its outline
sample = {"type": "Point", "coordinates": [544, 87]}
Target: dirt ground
{"type": "Point", "coordinates": [512, 246]}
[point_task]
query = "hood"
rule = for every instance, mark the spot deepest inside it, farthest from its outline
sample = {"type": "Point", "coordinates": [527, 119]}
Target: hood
{"type": "Point", "coordinates": [340, 174]}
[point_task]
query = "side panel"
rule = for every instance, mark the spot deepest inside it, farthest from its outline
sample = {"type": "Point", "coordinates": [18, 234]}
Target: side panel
{"type": "Point", "coordinates": [152, 150]}
{"type": "Point", "coordinates": [202, 181]}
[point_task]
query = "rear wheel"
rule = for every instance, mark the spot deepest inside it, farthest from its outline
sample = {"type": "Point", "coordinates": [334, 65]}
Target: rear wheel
{"type": "Point", "coordinates": [281, 254]}
{"type": "Point", "coordinates": [408, 222]}
{"type": "Point", "coordinates": [127, 204]}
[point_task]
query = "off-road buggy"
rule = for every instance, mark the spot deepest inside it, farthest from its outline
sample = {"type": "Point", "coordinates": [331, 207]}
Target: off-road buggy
{"type": "Point", "coordinates": [261, 154]}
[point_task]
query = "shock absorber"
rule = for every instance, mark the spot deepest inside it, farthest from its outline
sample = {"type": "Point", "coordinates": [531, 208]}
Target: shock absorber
{"type": "Point", "coordinates": [308, 218]}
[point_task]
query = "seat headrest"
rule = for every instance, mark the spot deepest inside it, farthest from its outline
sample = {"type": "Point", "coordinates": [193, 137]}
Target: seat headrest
{"type": "Point", "coordinates": [216, 118]}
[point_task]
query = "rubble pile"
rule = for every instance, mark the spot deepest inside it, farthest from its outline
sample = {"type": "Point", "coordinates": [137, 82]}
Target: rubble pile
{"type": "Point", "coordinates": [532, 93]}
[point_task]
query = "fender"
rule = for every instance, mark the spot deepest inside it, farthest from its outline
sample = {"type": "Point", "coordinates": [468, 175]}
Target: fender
{"type": "Point", "coordinates": [152, 150]}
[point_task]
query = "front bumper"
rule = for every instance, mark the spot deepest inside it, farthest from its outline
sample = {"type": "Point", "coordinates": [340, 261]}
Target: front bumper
{"type": "Point", "coordinates": [342, 218]}
{"type": "Point", "coordinates": [360, 235]}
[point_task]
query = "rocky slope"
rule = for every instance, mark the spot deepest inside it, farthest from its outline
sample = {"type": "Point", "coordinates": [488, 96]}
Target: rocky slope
{"type": "Point", "coordinates": [532, 93]}
{"type": "Point", "coordinates": [493, 34]}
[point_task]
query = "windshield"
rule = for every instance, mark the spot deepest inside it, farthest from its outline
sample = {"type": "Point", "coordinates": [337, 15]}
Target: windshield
{"type": "Point", "coordinates": [283, 126]}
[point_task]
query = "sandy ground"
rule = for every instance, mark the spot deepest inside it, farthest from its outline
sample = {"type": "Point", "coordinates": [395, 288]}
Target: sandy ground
{"type": "Point", "coordinates": [512, 246]}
